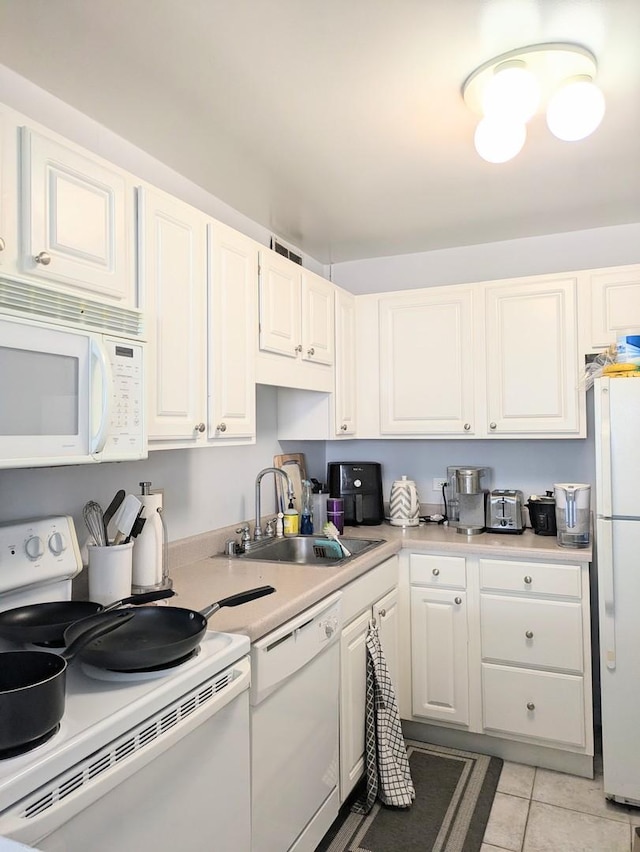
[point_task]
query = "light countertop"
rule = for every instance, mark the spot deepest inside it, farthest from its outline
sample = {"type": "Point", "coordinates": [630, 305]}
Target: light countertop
{"type": "Point", "coordinates": [206, 579]}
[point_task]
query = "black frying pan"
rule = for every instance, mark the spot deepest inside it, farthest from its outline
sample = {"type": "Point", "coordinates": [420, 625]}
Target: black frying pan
{"type": "Point", "coordinates": [155, 636]}
{"type": "Point", "coordinates": [45, 623]}
{"type": "Point", "coordinates": [33, 685]}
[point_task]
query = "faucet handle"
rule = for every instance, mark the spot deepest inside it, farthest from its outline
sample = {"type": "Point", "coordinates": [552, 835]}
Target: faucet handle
{"type": "Point", "coordinates": [270, 529]}
{"type": "Point", "coordinates": [245, 533]}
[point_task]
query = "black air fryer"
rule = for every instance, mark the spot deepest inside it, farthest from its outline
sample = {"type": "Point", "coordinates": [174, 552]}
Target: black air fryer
{"type": "Point", "coordinates": [360, 486]}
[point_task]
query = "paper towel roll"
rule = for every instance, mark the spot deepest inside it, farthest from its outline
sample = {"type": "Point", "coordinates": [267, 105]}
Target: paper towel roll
{"type": "Point", "coordinates": [147, 552]}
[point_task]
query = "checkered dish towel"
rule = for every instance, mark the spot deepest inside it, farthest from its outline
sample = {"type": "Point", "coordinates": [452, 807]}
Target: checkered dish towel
{"type": "Point", "coordinates": [387, 766]}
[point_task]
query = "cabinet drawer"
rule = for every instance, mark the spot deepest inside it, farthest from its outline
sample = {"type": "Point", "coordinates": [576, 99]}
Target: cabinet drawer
{"type": "Point", "coordinates": [446, 571]}
{"type": "Point", "coordinates": [540, 634]}
{"type": "Point", "coordinates": [536, 578]}
{"type": "Point", "coordinates": [541, 705]}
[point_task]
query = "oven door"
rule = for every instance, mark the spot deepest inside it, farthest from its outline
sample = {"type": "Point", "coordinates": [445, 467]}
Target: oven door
{"type": "Point", "coordinates": [55, 395]}
{"type": "Point", "coordinates": [178, 781]}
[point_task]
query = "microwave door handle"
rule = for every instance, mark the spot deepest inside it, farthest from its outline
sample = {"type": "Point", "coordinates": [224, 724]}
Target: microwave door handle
{"type": "Point", "coordinates": [98, 356]}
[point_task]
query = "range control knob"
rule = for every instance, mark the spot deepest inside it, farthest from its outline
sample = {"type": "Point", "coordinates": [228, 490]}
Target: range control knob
{"type": "Point", "coordinates": [57, 544]}
{"type": "Point", "coordinates": [34, 547]}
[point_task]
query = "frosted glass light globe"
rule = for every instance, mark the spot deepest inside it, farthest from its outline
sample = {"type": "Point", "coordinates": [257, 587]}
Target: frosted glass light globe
{"type": "Point", "coordinates": [512, 92]}
{"type": "Point", "coordinates": [498, 140]}
{"type": "Point", "coordinates": [575, 110]}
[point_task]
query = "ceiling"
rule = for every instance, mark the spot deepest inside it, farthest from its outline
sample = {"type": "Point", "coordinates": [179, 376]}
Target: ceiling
{"type": "Point", "coordinates": [339, 124]}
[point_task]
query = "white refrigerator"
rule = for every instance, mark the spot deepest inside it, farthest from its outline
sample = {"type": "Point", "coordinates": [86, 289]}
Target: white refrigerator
{"type": "Point", "coordinates": [617, 445]}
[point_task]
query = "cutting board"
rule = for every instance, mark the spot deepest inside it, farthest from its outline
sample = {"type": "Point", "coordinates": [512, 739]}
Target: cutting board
{"type": "Point", "coordinates": [295, 467]}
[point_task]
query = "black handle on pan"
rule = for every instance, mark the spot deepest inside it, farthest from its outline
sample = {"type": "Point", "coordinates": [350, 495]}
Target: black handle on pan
{"type": "Point", "coordinates": [110, 622]}
{"type": "Point", "coordinates": [245, 597]}
{"type": "Point", "coordinates": [142, 598]}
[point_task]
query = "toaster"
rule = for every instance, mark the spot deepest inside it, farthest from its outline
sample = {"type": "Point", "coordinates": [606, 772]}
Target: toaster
{"type": "Point", "coordinates": [505, 511]}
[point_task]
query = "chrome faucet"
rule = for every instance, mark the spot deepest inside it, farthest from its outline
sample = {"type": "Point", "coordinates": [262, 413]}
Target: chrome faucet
{"type": "Point", "coordinates": [257, 532]}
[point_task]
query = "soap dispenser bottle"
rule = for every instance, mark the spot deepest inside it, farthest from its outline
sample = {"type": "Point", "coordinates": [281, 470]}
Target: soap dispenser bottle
{"type": "Point", "coordinates": [291, 520]}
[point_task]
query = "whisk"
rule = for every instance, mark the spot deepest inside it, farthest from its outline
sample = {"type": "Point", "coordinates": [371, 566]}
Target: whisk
{"type": "Point", "coordinates": [94, 520]}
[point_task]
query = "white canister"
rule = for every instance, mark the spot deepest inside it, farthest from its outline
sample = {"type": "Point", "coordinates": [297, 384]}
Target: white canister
{"type": "Point", "coordinates": [404, 503]}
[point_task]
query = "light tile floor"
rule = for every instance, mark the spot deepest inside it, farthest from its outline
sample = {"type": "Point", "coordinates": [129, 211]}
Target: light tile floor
{"type": "Point", "coordinates": [537, 810]}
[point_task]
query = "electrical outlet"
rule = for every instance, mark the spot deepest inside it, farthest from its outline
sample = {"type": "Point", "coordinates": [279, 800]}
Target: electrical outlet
{"type": "Point", "coordinates": [438, 482]}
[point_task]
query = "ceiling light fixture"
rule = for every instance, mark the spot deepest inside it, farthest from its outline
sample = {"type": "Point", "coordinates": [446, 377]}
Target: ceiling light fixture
{"type": "Point", "coordinates": [510, 89]}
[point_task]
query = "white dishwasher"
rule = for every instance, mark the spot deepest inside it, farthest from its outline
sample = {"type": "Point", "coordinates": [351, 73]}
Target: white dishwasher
{"type": "Point", "coordinates": [294, 731]}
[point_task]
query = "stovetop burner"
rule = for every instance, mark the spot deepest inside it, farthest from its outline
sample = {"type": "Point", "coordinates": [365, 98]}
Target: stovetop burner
{"type": "Point", "coordinates": [23, 748]}
{"type": "Point", "coordinates": [138, 674]}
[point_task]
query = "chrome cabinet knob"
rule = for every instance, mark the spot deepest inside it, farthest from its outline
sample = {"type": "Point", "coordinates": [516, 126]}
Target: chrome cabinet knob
{"type": "Point", "coordinates": [458, 600]}
{"type": "Point", "coordinates": [383, 612]}
{"type": "Point", "coordinates": [492, 425]}
{"type": "Point", "coordinates": [531, 705]}
{"type": "Point", "coordinates": [467, 427]}
{"type": "Point", "coordinates": [529, 634]}
{"type": "Point", "coordinates": [298, 348]}
{"type": "Point", "coordinates": [221, 427]}
{"type": "Point", "coordinates": [344, 427]}
{"type": "Point", "coordinates": [436, 572]}
{"type": "Point", "coordinates": [528, 580]}
{"type": "Point", "coordinates": [311, 351]}
{"type": "Point", "coordinates": [200, 427]}
{"type": "Point", "coordinates": [3, 245]}
{"type": "Point", "coordinates": [44, 258]}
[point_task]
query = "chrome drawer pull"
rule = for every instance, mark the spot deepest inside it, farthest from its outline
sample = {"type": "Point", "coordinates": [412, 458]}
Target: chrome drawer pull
{"type": "Point", "coordinates": [528, 580]}
{"type": "Point", "coordinates": [531, 705]}
{"type": "Point", "coordinates": [435, 572]}
{"type": "Point", "coordinates": [529, 634]}
{"type": "Point", "coordinates": [458, 601]}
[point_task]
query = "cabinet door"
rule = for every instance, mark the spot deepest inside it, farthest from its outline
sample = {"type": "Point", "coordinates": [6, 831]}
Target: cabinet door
{"type": "Point", "coordinates": [233, 271]}
{"type": "Point", "coordinates": [353, 687]}
{"type": "Point", "coordinates": [78, 220]}
{"type": "Point", "coordinates": [173, 270]}
{"type": "Point", "coordinates": [8, 207]}
{"type": "Point", "coordinates": [345, 371]}
{"type": "Point", "coordinates": [279, 305]}
{"type": "Point", "coordinates": [385, 612]}
{"type": "Point", "coordinates": [532, 357]}
{"type": "Point", "coordinates": [439, 658]}
{"type": "Point", "coordinates": [615, 303]}
{"type": "Point", "coordinates": [426, 362]}
{"type": "Point", "coordinates": [317, 319]}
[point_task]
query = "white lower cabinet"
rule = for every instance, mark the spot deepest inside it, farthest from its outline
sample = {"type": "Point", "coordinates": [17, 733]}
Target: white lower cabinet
{"type": "Point", "coordinates": [439, 638]}
{"type": "Point", "coordinates": [377, 592]}
{"type": "Point", "coordinates": [501, 648]}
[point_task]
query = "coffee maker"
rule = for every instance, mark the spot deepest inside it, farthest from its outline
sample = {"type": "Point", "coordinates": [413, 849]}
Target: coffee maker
{"type": "Point", "coordinates": [466, 498]}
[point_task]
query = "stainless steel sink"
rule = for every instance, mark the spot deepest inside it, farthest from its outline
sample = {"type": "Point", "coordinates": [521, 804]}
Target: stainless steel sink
{"type": "Point", "coordinates": [307, 549]}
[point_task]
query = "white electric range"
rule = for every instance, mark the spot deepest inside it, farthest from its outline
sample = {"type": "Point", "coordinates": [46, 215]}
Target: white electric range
{"type": "Point", "coordinates": [140, 760]}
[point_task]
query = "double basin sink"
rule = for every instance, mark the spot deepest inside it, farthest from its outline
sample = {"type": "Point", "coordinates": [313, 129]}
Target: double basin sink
{"type": "Point", "coordinates": [308, 550]}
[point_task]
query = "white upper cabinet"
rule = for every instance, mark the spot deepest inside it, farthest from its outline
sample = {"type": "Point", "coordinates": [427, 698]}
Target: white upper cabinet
{"type": "Point", "coordinates": [317, 320]}
{"type": "Point", "coordinates": [614, 296]}
{"type": "Point", "coordinates": [426, 362]}
{"type": "Point", "coordinates": [346, 371]}
{"type": "Point", "coordinates": [531, 358]}
{"type": "Point", "coordinates": [8, 239]}
{"type": "Point", "coordinates": [296, 326]}
{"type": "Point", "coordinates": [77, 221]}
{"type": "Point", "coordinates": [173, 274]}
{"type": "Point", "coordinates": [233, 276]}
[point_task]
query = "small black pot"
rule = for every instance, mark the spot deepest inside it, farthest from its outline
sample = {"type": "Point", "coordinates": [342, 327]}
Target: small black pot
{"type": "Point", "coordinates": [542, 514]}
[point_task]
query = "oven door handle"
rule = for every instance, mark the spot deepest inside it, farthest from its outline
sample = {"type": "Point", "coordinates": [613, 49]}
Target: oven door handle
{"type": "Point", "coordinates": [90, 784]}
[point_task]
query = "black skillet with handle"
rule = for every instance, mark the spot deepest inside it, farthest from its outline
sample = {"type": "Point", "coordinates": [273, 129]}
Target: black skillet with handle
{"type": "Point", "coordinates": [155, 636]}
{"type": "Point", "coordinates": [33, 685]}
{"type": "Point", "coordinates": [45, 623]}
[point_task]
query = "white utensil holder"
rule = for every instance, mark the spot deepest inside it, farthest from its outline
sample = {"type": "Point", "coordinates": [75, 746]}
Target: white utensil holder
{"type": "Point", "coordinates": [110, 571]}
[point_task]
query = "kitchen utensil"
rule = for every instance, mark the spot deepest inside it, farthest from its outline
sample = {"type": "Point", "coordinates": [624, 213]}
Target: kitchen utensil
{"type": "Point", "coordinates": [94, 521]}
{"type": "Point", "coordinates": [542, 513]}
{"type": "Point", "coordinates": [126, 516]}
{"type": "Point", "coordinates": [572, 513]}
{"type": "Point", "coordinates": [155, 636]}
{"type": "Point", "coordinates": [505, 511]}
{"type": "Point", "coordinates": [33, 684]}
{"type": "Point", "coordinates": [112, 508]}
{"type": "Point", "coordinates": [46, 622]}
{"type": "Point", "coordinates": [331, 532]}
{"type": "Point", "coordinates": [404, 503]}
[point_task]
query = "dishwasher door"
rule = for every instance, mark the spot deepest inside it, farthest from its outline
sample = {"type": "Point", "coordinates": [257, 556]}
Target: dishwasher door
{"type": "Point", "coordinates": [294, 732]}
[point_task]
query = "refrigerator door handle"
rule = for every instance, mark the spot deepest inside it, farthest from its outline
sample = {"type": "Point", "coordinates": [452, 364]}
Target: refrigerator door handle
{"type": "Point", "coordinates": [606, 580]}
{"type": "Point", "coordinates": [603, 450]}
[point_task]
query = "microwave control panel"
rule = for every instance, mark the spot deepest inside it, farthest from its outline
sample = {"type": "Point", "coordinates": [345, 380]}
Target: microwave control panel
{"type": "Point", "coordinates": [127, 435]}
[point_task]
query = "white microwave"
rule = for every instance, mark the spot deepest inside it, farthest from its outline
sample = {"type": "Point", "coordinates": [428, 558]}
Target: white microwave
{"type": "Point", "coordinates": [69, 396]}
